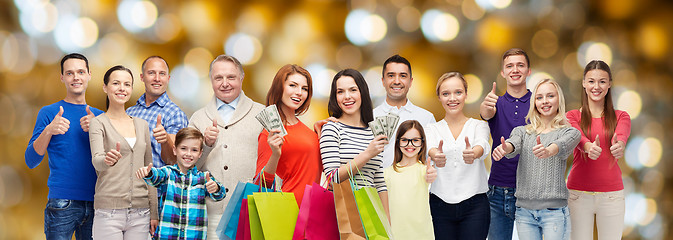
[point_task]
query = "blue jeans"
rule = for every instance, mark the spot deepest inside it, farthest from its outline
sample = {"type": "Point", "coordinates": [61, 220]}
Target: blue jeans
{"type": "Point", "coordinates": [503, 211]}
{"type": "Point", "coordinates": [552, 223]}
{"type": "Point", "coordinates": [463, 220]}
{"type": "Point", "coordinates": [63, 217]}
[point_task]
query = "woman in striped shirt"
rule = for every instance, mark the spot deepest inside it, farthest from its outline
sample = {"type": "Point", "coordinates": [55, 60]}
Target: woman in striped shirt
{"type": "Point", "coordinates": [349, 144]}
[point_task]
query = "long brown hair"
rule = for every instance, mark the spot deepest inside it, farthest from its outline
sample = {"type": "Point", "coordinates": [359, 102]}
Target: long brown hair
{"type": "Point", "coordinates": [401, 130]}
{"type": "Point", "coordinates": [609, 116]}
{"type": "Point", "coordinates": [275, 94]}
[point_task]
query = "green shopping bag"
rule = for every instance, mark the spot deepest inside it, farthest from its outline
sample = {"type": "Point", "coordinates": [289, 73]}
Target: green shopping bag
{"type": "Point", "coordinates": [373, 215]}
{"type": "Point", "coordinates": [273, 215]}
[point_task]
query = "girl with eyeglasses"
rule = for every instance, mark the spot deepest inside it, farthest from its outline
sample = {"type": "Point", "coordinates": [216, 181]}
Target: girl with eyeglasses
{"type": "Point", "coordinates": [407, 181]}
{"type": "Point", "coordinates": [459, 145]}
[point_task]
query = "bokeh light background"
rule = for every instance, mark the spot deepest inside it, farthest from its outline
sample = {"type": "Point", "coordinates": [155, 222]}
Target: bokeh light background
{"type": "Point", "coordinates": [437, 36]}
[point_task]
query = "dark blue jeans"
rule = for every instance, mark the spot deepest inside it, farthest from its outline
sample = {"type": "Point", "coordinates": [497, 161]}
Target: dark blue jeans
{"type": "Point", "coordinates": [463, 220]}
{"type": "Point", "coordinates": [63, 217]}
{"type": "Point", "coordinates": [503, 210]}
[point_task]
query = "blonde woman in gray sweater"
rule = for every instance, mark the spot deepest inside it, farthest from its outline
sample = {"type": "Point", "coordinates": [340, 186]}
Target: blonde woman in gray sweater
{"type": "Point", "coordinates": [544, 145]}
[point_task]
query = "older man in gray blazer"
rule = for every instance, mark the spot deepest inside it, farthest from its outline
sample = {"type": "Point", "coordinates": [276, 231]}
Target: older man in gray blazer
{"type": "Point", "coordinates": [230, 129]}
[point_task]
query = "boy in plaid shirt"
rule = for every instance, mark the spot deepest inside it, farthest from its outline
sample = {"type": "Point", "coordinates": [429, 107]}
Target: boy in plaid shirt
{"type": "Point", "coordinates": [184, 213]}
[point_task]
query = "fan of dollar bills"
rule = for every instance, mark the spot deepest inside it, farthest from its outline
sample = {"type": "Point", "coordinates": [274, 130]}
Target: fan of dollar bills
{"type": "Point", "coordinates": [270, 119]}
{"type": "Point", "coordinates": [385, 125]}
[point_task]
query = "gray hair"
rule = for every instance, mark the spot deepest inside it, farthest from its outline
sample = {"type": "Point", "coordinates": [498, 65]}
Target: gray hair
{"type": "Point", "coordinates": [226, 58]}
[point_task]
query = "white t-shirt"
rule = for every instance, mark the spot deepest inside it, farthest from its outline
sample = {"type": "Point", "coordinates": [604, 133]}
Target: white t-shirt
{"type": "Point", "coordinates": [407, 112]}
{"type": "Point", "coordinates": [459, 181]}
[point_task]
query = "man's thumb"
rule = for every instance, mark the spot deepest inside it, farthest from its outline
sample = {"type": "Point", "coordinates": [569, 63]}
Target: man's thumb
{"type": "Point", "coordinates": [467, 143]}
{"type": "Point", "coordinates": [597, 141]}
{"type": "Point", "coordinates": [60, 112]}
{"type": "Point", "coordinates": [441, 144]}
{"type": "Point", "coordinates": [118, 147]}
{"type": "Point", "coordinates": [493, 90]}
{"type": "Point", "coordinates": [159, 120]}
{"type": "Point", "coordinates": [214, 122]}
{"type": "Point", "coordinates": [88, 111]}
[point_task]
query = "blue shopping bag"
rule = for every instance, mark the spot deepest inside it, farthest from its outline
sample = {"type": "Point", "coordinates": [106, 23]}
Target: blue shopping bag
{"type": "Point", "coordinates": [228, 226]}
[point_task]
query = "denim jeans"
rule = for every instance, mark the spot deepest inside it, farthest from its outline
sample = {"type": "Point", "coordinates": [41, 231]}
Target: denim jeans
{"type": "Point", "coordinates": [63, 217]}
{"type": "Point", "coordinates": [503, 211]}
{"type": "Point", "coordinates": [550, 223]}
{"type": "Point", "coordinates": [463, 220]}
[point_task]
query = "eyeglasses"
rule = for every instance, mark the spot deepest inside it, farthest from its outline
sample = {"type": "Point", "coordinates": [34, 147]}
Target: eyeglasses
{"type": "Point", "coordinates": [416, 142]}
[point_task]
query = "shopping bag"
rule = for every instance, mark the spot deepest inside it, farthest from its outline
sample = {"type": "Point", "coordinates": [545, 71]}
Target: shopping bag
{"type": "Point", "coordinates": [228, 226]}
{"type": "Point", "coordinates": [302, 218]}
{"type": "Point", "coordinates": [372, 213]}
{"type": "Point", "coordinates": [255, 224]}
{"type": "Point", "coordinates": [317, 218]}
{"type": "Point", "coordinates": [243, 231]}
{"type": "Point", "coordinates": [277, 212]}
{"type": "Point", "coordinates": [348, 218]}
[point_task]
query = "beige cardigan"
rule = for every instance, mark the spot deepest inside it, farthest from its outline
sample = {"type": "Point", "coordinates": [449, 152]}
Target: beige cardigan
{"type": "Point", "coordinates": [117, 186]}
{"type": "Point", "coordinates": [233, 157]}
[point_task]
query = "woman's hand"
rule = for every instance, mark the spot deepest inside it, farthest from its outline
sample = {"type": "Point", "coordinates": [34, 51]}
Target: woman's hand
{"type": "Point", "coordinates": [113, 156]}
{"type": "Point", "coordinates": [275, 142]}
{"type": "Point", "coordinates": [501, 150]}
{"type": "Point", "coordinates": [377, 145]}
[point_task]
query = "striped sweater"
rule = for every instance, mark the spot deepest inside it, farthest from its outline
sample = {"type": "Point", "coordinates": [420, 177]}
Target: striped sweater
{"type": "Point", "coordinates": [340, 143]}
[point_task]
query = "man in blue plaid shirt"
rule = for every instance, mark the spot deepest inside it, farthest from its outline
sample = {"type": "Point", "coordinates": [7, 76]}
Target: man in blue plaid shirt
{"type": "Point", "coordinates": [164, 117]}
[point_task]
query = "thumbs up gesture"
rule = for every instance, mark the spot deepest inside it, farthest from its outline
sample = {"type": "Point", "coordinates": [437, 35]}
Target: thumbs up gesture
{"type": "Point", "coordinates": [539, 150]}
{"type": "Point", "coordinates": [617, 148]}
{"type": "Point", "coordinates": [430, 172]}
{"type": "Point", "coordinates": [159, 132]}
{"type": "Point", "coordinates": [468, 153]}
{"type": "Point", "coordinates": [438, 156]}
{"type": "Point", "coordinates": [593, 149]}
{"type": "Point", "coordinates": [113, 156]}
{"type": "Point", "coordinates": [501, 150]}
{"type": "Point", "coordinates": [84, 121]}
{"type": "Point", "coordinates": [211, 133]}
{"type": "Point", "coordinates": [487, 108]}
{"type": "Point", "coordinates": [143, 172]}
{"type": "Point", "coordinates": [211, 185]}
{"type": "Point", "coordinates": [59, 125]}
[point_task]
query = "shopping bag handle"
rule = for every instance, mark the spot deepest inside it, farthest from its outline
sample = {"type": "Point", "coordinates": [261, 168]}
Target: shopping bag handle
{"type": "Point", "coordinates": [263, 182]}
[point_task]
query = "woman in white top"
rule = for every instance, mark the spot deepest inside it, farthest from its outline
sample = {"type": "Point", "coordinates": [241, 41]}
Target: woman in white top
{"type": "Point", "coordinates": [458, 146]}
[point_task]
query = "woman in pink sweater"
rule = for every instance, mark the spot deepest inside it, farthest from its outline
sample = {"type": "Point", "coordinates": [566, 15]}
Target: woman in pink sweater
{"type": "Point", "coordinates": [595, 180]}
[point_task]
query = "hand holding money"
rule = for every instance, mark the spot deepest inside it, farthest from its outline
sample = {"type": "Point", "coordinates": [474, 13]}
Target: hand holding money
{"type": "Point", "coordinates": [385, 125]}
{"type": "Point", "coordinates": [270, 120]}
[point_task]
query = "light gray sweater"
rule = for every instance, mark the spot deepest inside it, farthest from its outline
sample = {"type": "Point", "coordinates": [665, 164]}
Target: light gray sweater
{"type": "Point", "coordinates": [540, 183]}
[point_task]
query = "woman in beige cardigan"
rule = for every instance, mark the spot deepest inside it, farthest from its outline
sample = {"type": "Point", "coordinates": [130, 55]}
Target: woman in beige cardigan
{"type": "Point", "coordinates": [120, 144]}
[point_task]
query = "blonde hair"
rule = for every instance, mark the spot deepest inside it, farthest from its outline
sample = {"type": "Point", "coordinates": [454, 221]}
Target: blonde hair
{"type": "Point", "coordinates": [533, 118]}
{"type": "Point", "coordinates": [448, 75]}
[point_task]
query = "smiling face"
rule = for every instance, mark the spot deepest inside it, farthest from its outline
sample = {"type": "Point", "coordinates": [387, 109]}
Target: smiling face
{"type": "Point", "coordinates": [452, 95]}
{"type": "Point", "coordinates": [412, 138]}
{"type": "Point", "coordinates": [155, 76]}
{"type": "Point", "coordinates": [75, 76]}
{"type": "Point", "coordinates": [596, 84]}
{"type": "Point", "coordinates": [348, 95]}
{"type": "Point", "coordinates": [547, 100]}
{"type": "Point", "coordinates": [226, 80]}
{"type": "Point", "coordinates": [295, 93]}
{"type": "Point", "coordinates": [397, 81]}
{"type": "Point", "coordinates": [188, 151]}
{"type": "Point", "coordinates": [515, 70]}
{"type": "Point", "coordinates": [119, 87]}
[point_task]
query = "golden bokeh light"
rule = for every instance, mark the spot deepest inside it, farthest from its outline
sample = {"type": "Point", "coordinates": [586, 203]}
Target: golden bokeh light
{"type": "Point", "coordinates": [650, 152]}
{"type": "Point", "coordinates": [653, 40]}
{"type": "Point", "coordinates": [409, 19]}
{"type": "Point", "coordinates": [631, 102]}
{"type": "Point", "coordinates": [545, 43]}
{"type": "Point", "coordinates": [474, 88]}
